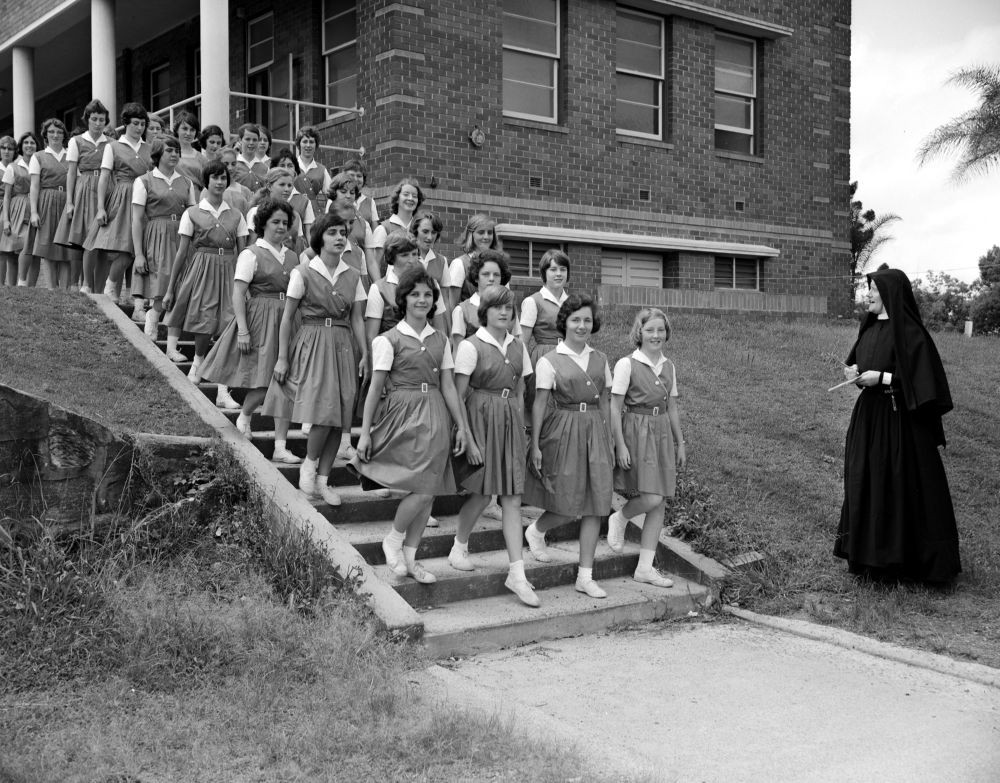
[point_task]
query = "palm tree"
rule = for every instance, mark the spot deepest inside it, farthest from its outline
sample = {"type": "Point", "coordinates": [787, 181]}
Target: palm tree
{"type": "Point", "coordinates": [867, 233]}
{"type": "Point", "coordinates": [974, 135]}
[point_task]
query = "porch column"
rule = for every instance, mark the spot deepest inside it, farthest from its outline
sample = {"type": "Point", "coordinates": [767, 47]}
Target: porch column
{"type": "Point", "coordinates": [214, 26]}
{"type": "Point", "coordinates": [103, 54]}
{"type": "Point", "coordinates": [23, 92]}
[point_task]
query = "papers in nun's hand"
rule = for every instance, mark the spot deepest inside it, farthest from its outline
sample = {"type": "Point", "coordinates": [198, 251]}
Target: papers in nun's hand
{"type": "Point", "coordinates": [853, 380]}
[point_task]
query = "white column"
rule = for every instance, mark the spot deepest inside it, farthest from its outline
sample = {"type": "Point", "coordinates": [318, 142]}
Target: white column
{"type": "Point", "coordinates": [23, 93]}
{"type": "Point", "coordinates": [103, 56]}
{"type": "Point", "coordinates": [214, 24]}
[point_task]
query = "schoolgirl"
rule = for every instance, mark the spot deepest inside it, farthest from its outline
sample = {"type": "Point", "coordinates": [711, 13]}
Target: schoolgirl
{"type": "Point", "coordinates": [155, 127]}
{"type": "Point", "coordinates": [480, 234]}
{"type": "Point", "coordinates": [47, 197]}
{"type": "Point", "coordinates": [237, 196]}
{"type": "Point", "coordinates": [649, 445]}
{"type": "Point", "coordinates": [8, 261]}
{"type": "Point", "coordinates": [406, 200]}
{"type": "Point", "coordinates": [212, 140]}
{"type": "Point", "coordinates": [285, 159]}
{"type": "Point", "coordinates": [262, 155]}
{"type": "Point", "coordinates": [488, 269]}
{"type": "Point", "coordinates": [159, 198]}
{"type": "Point", "coordinates": [342, 195]}
{"type": "Point", "coordinates": [571, 458]}
{"type": "Point", "coordinates": [111, 232]}
{"type": "Point", "coordinates": [365, 204]}
{"type": "Point", "coordinates": [186, 129]}
{"type": "Point", "coordinates": [425, 230]}
{"type": "Point", "coordinates": [246, 352]}
{"type": "Point", "coordinates": [315, 372]}
{"type": "Point", "coordinates": [539, 311]}
{"type": "Point", "coordinates": [200, 291]}
{"type": "Point", "coordinates": [314, 178]}
{"type": "Point", "coordinates": [405, 435]}
{"type": "Point", "coordinates": [278, 183]}
{"type": "Point", "coordinates": [248, 172]}
{"type": "Point", "coordinates": [83, 163]}
{"type": "Point", "coordinates": [490, 368]}
{"type": "Point", "coordinates": [17, 213]}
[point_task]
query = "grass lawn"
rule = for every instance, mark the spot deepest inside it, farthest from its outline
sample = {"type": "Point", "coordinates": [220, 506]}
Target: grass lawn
{"type": "Point", "coordinates": [60, 347]}
{"type": "Point", "coordinates": [765, 445]}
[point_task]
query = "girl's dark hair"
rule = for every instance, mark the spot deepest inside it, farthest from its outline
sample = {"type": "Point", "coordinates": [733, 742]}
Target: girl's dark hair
{"type": "Point", "coordinates": [28, 135]}
{"type": "Point", "coordinates": [325, 221]}
{"type": "Point", "coordinates": [134, 111]}
{"type": "Point", "coordinates": [215, 168]}
{"type": "Point", "coordinates": [160, 143]}
{"type": "Point", "coordinates": [573, 303]}
{"type": "Point", "coordinates": [358, 165]}
{"type": "Point", "coordinates": [208, 132]}
{"type": "Point", "coordinates": [53, 122]}
{"type": "Point", "coordinates": [396, 244]}
{"type": "Point", "coordinates": [95, 107]}
{"type": "Point", "coordinates": [493, 297]}
{"type": "Point", "coordinates": [247, 126]}
{"type": "Point", "coordinates": [338, 181]}
{"type": "Point", "coordinates": [553, 258]}
{"type": "Point", "coordinates": [498, 257]}
{"type": "Point", "coordinates": [285, 153]}
{"type": "Point", "coordinates": [409, 280]}
{"type": "Point", "coordinates": [307, 131]}
{"type": "Point", "coordinates": [186, 118]}
{"type": "Point", "coordinates": [267, 208]}
{"type": "Point", "coordinates": [399, 188]}
{"type": "Point", "coordinates": [436, 223]}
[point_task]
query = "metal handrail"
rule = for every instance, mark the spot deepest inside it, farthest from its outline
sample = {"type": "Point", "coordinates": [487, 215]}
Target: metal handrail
{"type": "Point", "coordinates": [297, 104]}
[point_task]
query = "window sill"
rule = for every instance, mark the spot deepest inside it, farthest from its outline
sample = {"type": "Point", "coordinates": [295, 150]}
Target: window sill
{"type": "Point", "coordinates": [739, 156]}
{"type": "Point", "coordinates": [333, 122]}
{"type": "Point", "coordinates": [641, 142]}
{"type": "Point", "coordinates": [734, 288]}
{"type": "Point", "coordinates": [535, 124]}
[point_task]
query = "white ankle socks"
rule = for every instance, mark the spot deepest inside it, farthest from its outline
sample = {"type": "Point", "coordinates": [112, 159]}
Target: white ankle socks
{"type": "Point", "coordinates": [585, 574]}
{"type": "Point", "coordinates": [646, 558]}
{"type": "Point", "coordinates": [516, 571]}
{"type": "Point", "coordinates": [409, 555]}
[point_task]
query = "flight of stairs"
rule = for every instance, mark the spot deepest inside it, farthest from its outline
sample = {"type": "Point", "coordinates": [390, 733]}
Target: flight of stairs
{"type": "Point", "coordinates": [468, 612]}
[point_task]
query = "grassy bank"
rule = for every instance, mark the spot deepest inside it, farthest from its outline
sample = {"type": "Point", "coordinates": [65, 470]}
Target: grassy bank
{"type": "Point", "coordinates": [59, 346]}
{"type": "Point", "coordinates": [765, 446]}
{"type": "Point", "coordinates": [196, 643]}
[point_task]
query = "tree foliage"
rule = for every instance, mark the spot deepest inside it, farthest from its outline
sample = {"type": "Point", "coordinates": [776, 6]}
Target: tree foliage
{"type": "Point", "coordinates": [974, 135]}
{"type": "Point", "coordinates": [943, 300]}
{"type": "Point", "coordinates": [989, 267]}
{"type": "Point", "coordinates": [985, 310]}
{"type": "Point", "coordinates": [867, 233]}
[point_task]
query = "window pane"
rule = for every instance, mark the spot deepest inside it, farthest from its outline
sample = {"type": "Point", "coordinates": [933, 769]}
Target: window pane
{"type": "Point", "coordinates": [260, 30]}
{"type": "Point", "coordinates": [334, 7]}
{"type": "Point", "coordinates": [638, 118]}
{"type": "Point", "coordinates": [543, 10]}
{"type": "Point", "coordinates": [734, 52]}
{"type": "Point", "coordinates": [529, 34]}
{"type": "Point", "coordinates": [635, 89]}
{"type": "Point", "coordinates": [638, 29]}
{"type": "Point", "coordinates": [340, 30]}
{"type": "Point", "coordinates": [517, 249]}
{"type": "Point", "coordinates": [639, 57]}
{"type": "Point", "coordinates": [723, 273]}
{"type": "Point", "coordinates": [733, 112]}
{"type": "Point", "coordinates": [342, 76]}
{"type": "Point", "coordinates": [734, 142]}
{"type": "Point", "coordinates": [734, 81]}
{"type": "Point", "coordinates": [746, 273]}
{"type": "Point", "coordinates": [528, 99]}
{"type": "Point", "coordinates": [528, 68]}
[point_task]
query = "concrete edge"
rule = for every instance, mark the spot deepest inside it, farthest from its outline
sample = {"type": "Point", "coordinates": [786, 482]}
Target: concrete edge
{"type": "Point", "coordinates": [942, 664]}
{"type": "Point", "coordinates": [284, 503]}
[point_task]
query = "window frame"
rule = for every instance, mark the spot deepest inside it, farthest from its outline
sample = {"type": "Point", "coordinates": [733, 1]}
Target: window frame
{"type": "Point", "coordinates": [327, 52]}
{"type": "Point", "coordinates": [752, 133]}
{"type": "Point", "coordinates": [533, 261]}
{"type": "Point", "coordinates": [163, 68]}
{"type": "Point", "coordinates": [555, 61]}
{"type": "Point", "coordinates": [732, 268]}
{"type": "Point", "coordinates": [251, 70]}
{"type": "Point", "coordinates": [628, 255]}
{"type": "Point", "coordinates": [660, 80]}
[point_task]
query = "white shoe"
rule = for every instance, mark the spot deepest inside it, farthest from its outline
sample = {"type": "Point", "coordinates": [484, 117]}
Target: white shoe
{"type": "Point", "coordinates": [193, 375]}
{"type": "Point", "coordinates": [616, 531]}
{"type": "Point", "coordinates": [305, 428]}
{"type": "Point", "coordinates": [176, 356]}
{"type": "Point", "coordinates": [347, 454]}
{"type": "Point", "coordinates": [85, 289]}
{"type": "Point", "coordinates": [284, 455]}
{"type": "Point", "coordinates": [329, 495]}
{"type": "Point", "coordinates": [493, 511]}
{"type": "Point", "coordinates": [536, 542]}
{"type": "Point", "coordinates": [432, 522]}
{"type": "Point", "coordinates": [522, 589]}
{"type": "Point", "coordinates": [151, 326]}
{"type": "Point", "coordinates": [223, 399]}
{"type": "Point", "coordinates": [459, 560]}
{"type": "Point", "coordinates": [139, 312]}
{"type": "Point", "coordinates": [591, 588]}
{"type": "Point", "coordinates": [653, 577]}
{"type": "Point", "coordinates": [307, 478]}
{"type": "Point", "coordinates": [386, 493]}
{"type": "Point", "coordinates": [243, 426]}
{"type": "Point", "coordinates": [394, 558]}
{"type": "Point", "coordinates": [421, 574]}
{"type": "Point", "coordinates": [109, 289]}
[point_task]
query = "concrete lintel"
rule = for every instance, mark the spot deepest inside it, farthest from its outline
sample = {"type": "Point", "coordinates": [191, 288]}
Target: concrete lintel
{"type": "Point", "coordinates": [401, 53]}
{"type": "Point", "coordinates": [400, 8]}
{"type": "Point", "coordinates": [724, 20]}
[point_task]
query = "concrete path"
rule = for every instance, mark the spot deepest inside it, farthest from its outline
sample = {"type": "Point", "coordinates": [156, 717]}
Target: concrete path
{"type": "Point", "coordinates": [734, 701]}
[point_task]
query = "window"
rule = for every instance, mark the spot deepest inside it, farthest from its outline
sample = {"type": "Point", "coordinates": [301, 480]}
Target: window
{"type": "Point", "coordinates": [159, 87]}
{"type": "Point", "coordinates": [741, 273]}
{"type": "Point", "coordinates": [340, 52]}
{"type": "Point", "coordinates": [735, 93]}
{"type": "Point", "coordinates": [631, 269]}
{"type": "Point", "coordinates": [530, 58]}
{"type": "Point", "coordinates": [639, 74]}
{"type": "Point", "coordinates": [68, 117]}
{"type": "Point", "coordinates": [196, 75]}
{"type": "Point", "coordinates": [260, 43]}
{"type": "Point", "coordinates": [525, 254]}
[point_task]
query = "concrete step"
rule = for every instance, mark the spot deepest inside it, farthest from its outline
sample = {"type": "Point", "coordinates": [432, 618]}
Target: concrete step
{"type": "Point", "coordinates": [491, 572]}
{"type": "Point", "coordinates": [360, 506]}
{"type": "Point", "coordinates": [485, 624]}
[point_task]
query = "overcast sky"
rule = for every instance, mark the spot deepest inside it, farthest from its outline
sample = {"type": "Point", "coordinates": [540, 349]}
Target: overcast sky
{"type": "Point", "coordinates": [903, 52]}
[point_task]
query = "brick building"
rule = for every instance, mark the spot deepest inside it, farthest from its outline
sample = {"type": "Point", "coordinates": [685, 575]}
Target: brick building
{"type": "Point", "coordinates": [693, 154]}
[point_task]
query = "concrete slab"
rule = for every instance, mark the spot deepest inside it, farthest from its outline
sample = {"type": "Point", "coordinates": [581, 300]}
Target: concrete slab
{"type": "Point", "coordinates": [728, 701]}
